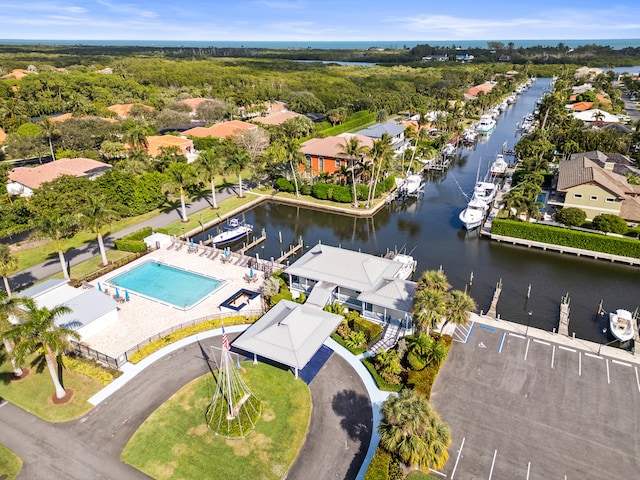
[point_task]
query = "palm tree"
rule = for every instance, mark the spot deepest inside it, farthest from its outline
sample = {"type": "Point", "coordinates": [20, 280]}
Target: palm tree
{"type": "Point", "coordinates": [235, 164]}
{"type": "Point", "coordinates": [49, 131]}
{"type": "Point", "coordinates": [382, 153]}
{"type": "Point", "coordinates": [459, 306]}
{"type": "Point", "coordinates": [8, 265]}
{"type": "Point", "coordinates": [353, 151]}
{"type": "Point", "coordinates": [55, 227]}
{"type": "Point", "coordinates": [414, 432]}
{"type": "Point", "coordinates": [9, 307]}
{"type": "Point", "coordinates": [38, 333]}
{"type": "Point", "coordinates": [208, 166]}
{"type": "Point", "coordinates": [433, 280]}
{"type": "Point", "coordinates": [136, 137]}
{"type": "Point", "coordinates": [180, 175]}
{"type": "Point", "coordinates": [428, 308]}
{"type": "Point", "coordinates": [95, 215]}
{"type": "Point", "coordinates": [295, 157]}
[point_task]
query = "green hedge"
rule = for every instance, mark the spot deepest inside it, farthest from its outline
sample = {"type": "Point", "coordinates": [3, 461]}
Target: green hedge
{"type": "Point", "coordinates": [134, 241]}
{"type": "Point", "coordinates": [373, 331]}
{"type": "Point", "coordinates": [379, 466]}
{"type": "Point", "coordinates": [356, 120]}
{"type": "Point", "coordinates": [625, 247]}
{"type": "Point", "coordinates": [380, 382]}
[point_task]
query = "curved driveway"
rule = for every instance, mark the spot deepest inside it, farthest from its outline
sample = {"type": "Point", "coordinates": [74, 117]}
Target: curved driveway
{"type": "Point", "coordinates": [89, 448]}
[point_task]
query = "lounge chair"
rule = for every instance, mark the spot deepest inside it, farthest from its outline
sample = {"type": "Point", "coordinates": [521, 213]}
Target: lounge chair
{"type": "Point", "coordinates": [179, 247]}
{"type": "Point", "coordinates": [173, 244]}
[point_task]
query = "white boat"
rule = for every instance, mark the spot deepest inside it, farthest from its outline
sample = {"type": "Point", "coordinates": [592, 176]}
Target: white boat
{"type": "Point", "coordinates": [499, 166]}
{"type": "Point", "coordinates": [234, 230]}
{"type": "Point", "coordinates": [411, 185]}
{"type": "Point", "coordinates": [408, 265]}
{"type": "Point", "coordinates": [485, 192]}
{"type": "Point", "coordinates": [470, 136]}
{"type": "Point", "coordinates": [448, 149]}
{"type": "Point", "coordinates": [486, 125]}
{"type": "Point", "coordinates": [472, 216]}
{"type": "Point", "coordinates": [622, 325]}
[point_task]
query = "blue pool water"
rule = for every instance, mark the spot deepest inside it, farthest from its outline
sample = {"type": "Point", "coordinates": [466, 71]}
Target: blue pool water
{"type": "Point", "coordinates": [167, 284]}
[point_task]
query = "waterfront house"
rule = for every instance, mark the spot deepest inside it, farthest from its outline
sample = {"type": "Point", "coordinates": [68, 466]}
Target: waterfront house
{"type": "Point", "coordinates": [24, 180]}
{"type": "Point", "coordinates": [595, 182]}
{"type": "Point", "coordinates": [595, 115]}
{"type": "Point", "coordinates": [232, 128]}
{"type": "Point", "coordinates": [324, 155]}
{"type": "Point", "coordinates": [395, 132]}
{"type": "Point", "coordinates": [359, 281]}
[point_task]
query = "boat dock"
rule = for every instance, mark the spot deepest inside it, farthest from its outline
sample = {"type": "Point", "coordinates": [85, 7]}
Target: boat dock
{"type": "Point", "coordinates": [293, 249]}
{"type": "Point", "coordinates": [256, 241]}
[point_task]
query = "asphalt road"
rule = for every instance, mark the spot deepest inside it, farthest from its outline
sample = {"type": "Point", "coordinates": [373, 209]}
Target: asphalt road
{"type": "Point", "coordinates": [29, 276]}
{"type": "Point", "coordinates": [526, 408]}
{"type": "Point", "coordinates": [89, 448]}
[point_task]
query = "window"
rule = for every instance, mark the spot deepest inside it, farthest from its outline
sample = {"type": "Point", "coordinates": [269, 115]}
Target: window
{"type": "Point", "coordinates": [338, 164]}
{"type": "Point", "coordinates": [593, 198]}
{"type": "Point", "coordinates": [577, 195]}
{"type": "Point", "coordinates": [609, 199]}
{"type": "Point", "coordinates": [321, 164]}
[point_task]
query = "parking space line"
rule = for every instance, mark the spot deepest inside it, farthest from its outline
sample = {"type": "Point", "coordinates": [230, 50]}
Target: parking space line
{"type": "Point", "coordinates": [501, 342]}
{"type": "Point", "coordinates": [621, 363]}
{"type": "Point", "coordinates": [526, 352]}
{"type": "Point", "coordinates": [517, 335]}
{"type": "Point", "coordinates": [567, 349]}
{"type": "Point", "coordinates": [637, 379]}
{"type": "Point", "coordinates": [553, 356]}
{"type": "Point", "coordinates": [579, 364]}
{"type": "Point", "coordinates": [438, 473]}
{"type": "Point", "coordinates": [541, 342]}
{"type": "Point", "coordinates": [492, 464]}
{"type": "Point", "coordinates": [528, 470]}
{"type": "Point", "coordinates": [593, 355]}
{"type": "Point", "coordinates": [491, 329]}
{"type": "Point", "coordinates": [457, 458]}
{"type": "Point", "coordinates": [470, 330]}
{"type": "Point", "coordinates": [608, 376]}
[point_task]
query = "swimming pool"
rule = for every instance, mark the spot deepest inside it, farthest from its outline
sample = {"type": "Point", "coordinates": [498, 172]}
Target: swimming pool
{"type": "Point", "coordinates": [167, 284]}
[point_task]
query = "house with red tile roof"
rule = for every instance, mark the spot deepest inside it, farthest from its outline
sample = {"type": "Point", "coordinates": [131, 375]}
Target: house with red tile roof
{"type": "Point", "coordinates": [18, 74]}
{"type": "Point", "coordinates": [194, 103]}
{"type": "Point", "coordinates": [24, 180]}
{"type": "Point", "coordinates": [123, 110]}
{"type": "Point", "coordinates": [276, 118]}
{"type": "Point", "coordinates": [221, 130]}
{"type": "Point", "coordinates": [325, 154]}
{"type": "Point", "coordinates": [580, 106]}
{"type": "Point", "coordinates": [155, 144]}
{"type": "Point", "coordinates": [485, 87]}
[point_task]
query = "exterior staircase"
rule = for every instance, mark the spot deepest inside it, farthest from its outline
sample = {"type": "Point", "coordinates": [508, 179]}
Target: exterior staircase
{"type": "Point", "coordinates": [389, 338]}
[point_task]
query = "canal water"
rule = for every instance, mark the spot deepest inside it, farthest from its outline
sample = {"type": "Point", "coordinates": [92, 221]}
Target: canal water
{"type": "Point", "coordinates": [429, 228]}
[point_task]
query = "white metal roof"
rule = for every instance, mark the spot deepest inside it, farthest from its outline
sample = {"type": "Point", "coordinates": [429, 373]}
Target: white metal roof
{"type": "Point", "coordinates": [289, 333]}
{"type": "Point", "coordinates": [391, 293]}
{"type": "Point", "coordinates": [346, 268]}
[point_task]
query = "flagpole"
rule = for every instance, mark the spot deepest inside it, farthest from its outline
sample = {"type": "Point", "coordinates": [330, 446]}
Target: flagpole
{"type": "Point", "coordinates": [225, 345]}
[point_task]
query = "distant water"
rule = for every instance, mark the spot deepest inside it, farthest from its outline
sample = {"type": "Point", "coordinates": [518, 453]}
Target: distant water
{"type": "Point", "coordinates": [615, 43]}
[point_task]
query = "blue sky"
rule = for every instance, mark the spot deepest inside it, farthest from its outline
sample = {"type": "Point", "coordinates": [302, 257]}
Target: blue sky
{"type": "Point", "coordinates": [318, 20]}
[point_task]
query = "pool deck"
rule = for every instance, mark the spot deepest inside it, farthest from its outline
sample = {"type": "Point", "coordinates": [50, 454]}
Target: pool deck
{"type": "Point", "coordinates": [141, 318]}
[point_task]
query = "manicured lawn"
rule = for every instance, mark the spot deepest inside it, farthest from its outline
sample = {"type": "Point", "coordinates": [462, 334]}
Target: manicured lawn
{"type": "Point", "coordinates": [28, 257]}
{"type": "Point", "coordinates": [175, 442]}
{"type": "Point", "coordinates": [33, 393]}
{"type": "Point", "coordinates": [10, 463]}
{"type": "Point", "coordinates": [92, 265]}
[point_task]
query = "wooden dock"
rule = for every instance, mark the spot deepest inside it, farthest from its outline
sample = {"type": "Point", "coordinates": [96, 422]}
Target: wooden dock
{"type": "Point", "coordinates": [293, 249]}
{"type": "Point", "coordinates": [256, 241]}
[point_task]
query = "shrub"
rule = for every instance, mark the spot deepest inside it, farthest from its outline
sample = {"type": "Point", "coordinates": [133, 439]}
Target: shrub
{"type": "Point", "coordinates": [127, 245]}
{"type": "Point", "coordinates": [416, 362]}
{"type": "Point", "coordinates": [379, 466]}
{"type": "Point", "coordinates": [370, 329]}
{"type": "Point", "coordinates": [89, 369]}
{"type": "Point", "coordinates": [285, 185]}
{"type": "Point", "coordinates": [571, 216]}
{"type": "Point", "coordinates": [422, 381]}
{"type": "Point", "coordinates": [607, 222]}
{"type": "Point", "coordinates": [356, 339]}
{"type": "Point", "coordinates": [283, 294]}
{"type": "Point", "coordinates": [380, 382]}
{"type": "Point", "coordinates": [320, 191]}
{"type": "Point", "coordinates": [569, 238]}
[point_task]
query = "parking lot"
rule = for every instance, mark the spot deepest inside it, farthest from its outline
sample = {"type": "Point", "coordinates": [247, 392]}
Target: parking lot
{"type": "Point", "coordinates": [527, 408]}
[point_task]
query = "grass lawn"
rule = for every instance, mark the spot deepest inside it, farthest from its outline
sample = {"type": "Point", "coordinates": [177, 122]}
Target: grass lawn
{"type": "Point", "coordinates": [28, 257]}
{"type": "Point", "coordinates": [10, 463]}
{"type": "Point", "coordinates": [33, 393]}
{"type": "Point", "coordinates": [92, 265]}
{"type": "Point", "coordinates": [175, 442]}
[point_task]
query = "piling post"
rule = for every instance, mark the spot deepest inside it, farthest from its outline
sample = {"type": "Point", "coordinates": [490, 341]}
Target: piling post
{"type": "Point", "coordinates": [529, 292]}
{"type": "Point", "coordinates": [471, 278]}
